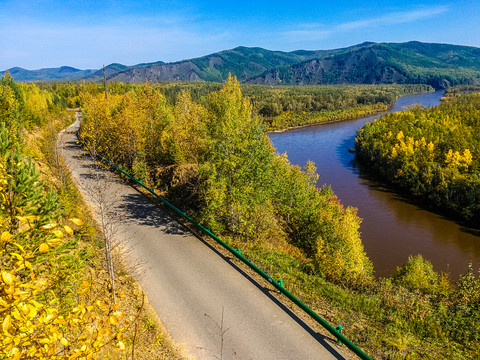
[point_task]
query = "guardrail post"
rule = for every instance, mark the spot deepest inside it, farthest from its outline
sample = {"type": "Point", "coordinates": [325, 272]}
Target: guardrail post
{"type": "Point", "coordinates": [339, 328]}
{"type": "Point", "coordinates": [280, 282]}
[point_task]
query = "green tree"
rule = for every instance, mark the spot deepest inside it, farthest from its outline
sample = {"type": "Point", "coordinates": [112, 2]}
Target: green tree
{"type": "Point", "coordinates": [239, 158]}
{"type": "Point", "coordinates": [24, 191]}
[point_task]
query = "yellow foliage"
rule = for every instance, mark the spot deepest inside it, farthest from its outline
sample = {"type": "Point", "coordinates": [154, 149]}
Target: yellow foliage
{"type": "Point", "coordinates": [430, 147]}
{"type": "Point", "coordinates": [57, 233]}
{"type": "Point", "coordinates": [35, 322]}
{"type": "Point", "coordinates": [68, 229]}
{"type": "Point", "coordinates": [400, 136]}
{"type": "Point", "coordinates": [394, 152]}
{"type": "Point", "coordinates": [43, 248]}
{"type": "Point", "coordinates": [76, 221]}
{"type": "Point", "coordinates": [49, 226]}
{"type": "Point", "coordinates": [467, 157]}
{"type": "Point", "coordinates": [6, 237]}
{"type": "Point", "coordinates": [461, 161]}
{"type": "Point", "coordinates": [7, 278]}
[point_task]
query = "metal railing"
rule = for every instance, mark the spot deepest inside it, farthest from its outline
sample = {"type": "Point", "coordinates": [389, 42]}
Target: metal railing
{"type": "Point", "coordinates": [335, 331]}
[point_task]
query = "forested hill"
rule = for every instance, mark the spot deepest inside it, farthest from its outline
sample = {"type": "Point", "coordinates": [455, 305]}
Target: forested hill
{"type": "Point", "coordinates": [439, 65]}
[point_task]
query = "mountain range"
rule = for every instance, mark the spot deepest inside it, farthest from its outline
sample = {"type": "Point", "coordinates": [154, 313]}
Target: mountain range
{"type": "Point", "coordinates": [439, 65]}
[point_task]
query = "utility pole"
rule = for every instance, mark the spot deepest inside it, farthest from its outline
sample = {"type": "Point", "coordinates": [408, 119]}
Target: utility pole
{"type": "Point", "coordinates": [105, 82]}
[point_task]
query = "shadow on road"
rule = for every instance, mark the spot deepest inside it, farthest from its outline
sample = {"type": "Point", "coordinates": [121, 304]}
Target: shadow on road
{"type": "Point", "coordinates": [72, 145]}
{"type": "Point", "coordinates": [140, 209]}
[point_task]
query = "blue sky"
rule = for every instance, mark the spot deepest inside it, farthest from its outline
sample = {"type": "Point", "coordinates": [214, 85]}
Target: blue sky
{"type": "Point", "coordinates": [87, 34]}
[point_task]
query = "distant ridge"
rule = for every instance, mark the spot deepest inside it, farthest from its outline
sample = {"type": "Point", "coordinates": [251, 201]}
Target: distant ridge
{"type": "Point", "coordinates": [64, 72]}
{"type": "Point", "coordinates": [439, 65]}
{"type": "Point", "coordinates": [68, 73]}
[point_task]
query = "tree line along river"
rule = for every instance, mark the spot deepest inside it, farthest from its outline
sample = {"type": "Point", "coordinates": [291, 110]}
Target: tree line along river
{"type": "Point", "coordinates": [392, 228]}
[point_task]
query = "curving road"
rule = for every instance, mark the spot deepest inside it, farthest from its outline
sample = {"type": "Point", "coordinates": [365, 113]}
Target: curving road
{"type": "Point", "coordinates": [212, 309]}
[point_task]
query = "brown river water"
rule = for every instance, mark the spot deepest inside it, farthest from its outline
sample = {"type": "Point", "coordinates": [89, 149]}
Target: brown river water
{"type": "Point", "coordinates": [392, 228]}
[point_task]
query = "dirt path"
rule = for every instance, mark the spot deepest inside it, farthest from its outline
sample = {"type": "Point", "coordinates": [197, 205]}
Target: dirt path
{"type": "Point", "coordinates": [210, 307]}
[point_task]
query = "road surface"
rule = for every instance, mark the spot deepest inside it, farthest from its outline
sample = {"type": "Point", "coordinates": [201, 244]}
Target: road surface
{"type": "Point", "coordinates": [211, 308]}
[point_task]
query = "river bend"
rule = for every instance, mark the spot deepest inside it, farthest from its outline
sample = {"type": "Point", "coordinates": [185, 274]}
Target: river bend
{"type": "Point", "coordinates": [392, 229]}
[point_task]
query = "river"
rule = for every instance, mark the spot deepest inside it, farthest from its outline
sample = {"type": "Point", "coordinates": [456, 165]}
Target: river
{"type": "Point", "coordinates": [392, 228]}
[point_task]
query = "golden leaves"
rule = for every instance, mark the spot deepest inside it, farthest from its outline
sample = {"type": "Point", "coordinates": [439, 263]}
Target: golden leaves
{"type": "Point", "coordinates": [28, 218]}
{"type": "Point", "coordinates": [121, 346]}
{"type": "Point", "coordinates": [455, 159]}
{"type": "Point", "coordinates": [113, 320]}
{"type": "Point", "coordinates": [7, 323]}
{"type": "Point", "coordinates": [6, 237]}
{"type": "Point", "coordinates": [37, 324]}
{"type": "Point", "coordinates": [76, 221]}
{"type": "Point", "coordinates": [400, 136]}
{"type": "Point", "coordinates": [68, 229]}
{"type": "Point", "coordinates": [57, 233]}
{"type": "Point", "coordinates": [8, 278]}
{"type": "Point", "coordinates": [49, 226]}
{"type": "Point", "coordinates": [430, 147]}
{"type": "Point", "coordinates": [43, 248]}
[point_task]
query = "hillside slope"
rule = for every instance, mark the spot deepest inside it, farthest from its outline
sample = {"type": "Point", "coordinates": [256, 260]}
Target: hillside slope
{"type": "Point", "coordinates": [439, 65]}
{"type": "Point", "coordinates": [243, 62]}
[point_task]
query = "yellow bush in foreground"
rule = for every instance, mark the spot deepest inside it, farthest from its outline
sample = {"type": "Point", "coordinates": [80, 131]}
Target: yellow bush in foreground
{"type": "Point", "coordinates": [46, 310]}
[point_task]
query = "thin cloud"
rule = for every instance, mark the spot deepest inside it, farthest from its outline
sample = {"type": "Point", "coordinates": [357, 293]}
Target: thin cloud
{"type": "Point", "coordinates": [319, 31]}
{"type": "Point", "coordinates": [392, 19]}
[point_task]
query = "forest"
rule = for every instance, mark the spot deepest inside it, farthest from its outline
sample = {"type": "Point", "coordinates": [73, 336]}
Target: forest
{"type": "Point", "coordinates": [208, 153]}
{"type": "Point", "coordinates": [431, 154]}
{"type": "Point", "coordinates": [280, 107]}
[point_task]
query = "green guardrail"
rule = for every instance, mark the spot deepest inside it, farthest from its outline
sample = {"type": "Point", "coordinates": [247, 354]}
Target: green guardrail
{"type": "Point", "coordinates": [335, 331]}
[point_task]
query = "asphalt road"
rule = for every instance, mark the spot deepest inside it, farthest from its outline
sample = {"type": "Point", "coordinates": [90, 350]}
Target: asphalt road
{"type": "Point", "coordinates": [211, 308]}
